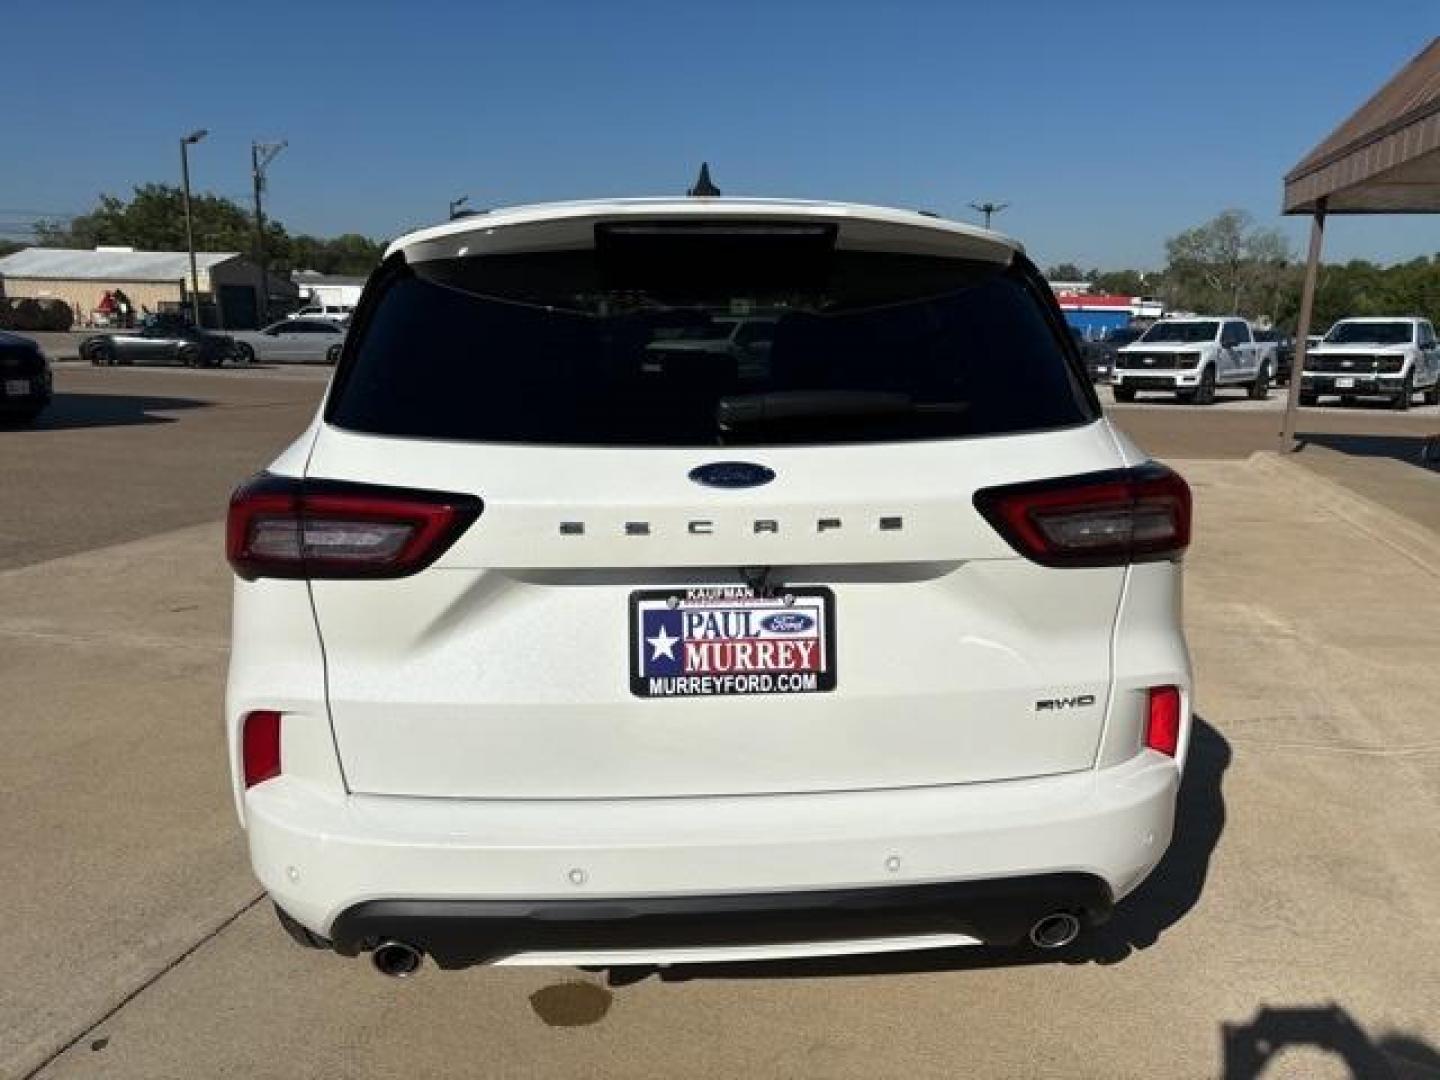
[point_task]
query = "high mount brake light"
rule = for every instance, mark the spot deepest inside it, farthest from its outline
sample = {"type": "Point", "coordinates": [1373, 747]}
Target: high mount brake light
{"type": "Point", "coordinates": [1109, 518]}
{"type": "Point", "coordinates": [284, 527]}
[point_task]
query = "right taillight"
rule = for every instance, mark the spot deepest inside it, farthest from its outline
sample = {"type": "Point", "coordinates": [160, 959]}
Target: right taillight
{"type": "Point", "coordinates": [1162, 721]}
{"type": "Point", "coordinates": [286, 527]}
{"type": "Point", "coordinates": [1110, 518]}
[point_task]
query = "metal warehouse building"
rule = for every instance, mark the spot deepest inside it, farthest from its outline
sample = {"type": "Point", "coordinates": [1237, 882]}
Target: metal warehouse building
{"type": "Point", "coordinates": [229, 285]}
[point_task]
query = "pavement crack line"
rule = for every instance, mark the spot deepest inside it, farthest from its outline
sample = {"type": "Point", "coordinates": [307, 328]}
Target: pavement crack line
{"type": "Point", "coordinates": [238, 406]}
{"type": "Point", "coordinates": [139, 641]}
{"type": "Point", "coordinates": [1359, 751]}
{"type": "Point", "coordinates": [145, 984]}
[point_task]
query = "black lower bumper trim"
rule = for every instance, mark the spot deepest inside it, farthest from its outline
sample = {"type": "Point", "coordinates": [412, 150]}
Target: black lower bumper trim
{"type": "Point", "coordinates": [461, 932]}
{"type": "Point", "coordinates": [1149, 382]}
{"type": "Point", "coordinates": [1359, 387]}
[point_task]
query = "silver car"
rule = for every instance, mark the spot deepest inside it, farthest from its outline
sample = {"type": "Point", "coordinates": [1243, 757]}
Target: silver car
{"type": "Point", "coordinates": [289, 341]}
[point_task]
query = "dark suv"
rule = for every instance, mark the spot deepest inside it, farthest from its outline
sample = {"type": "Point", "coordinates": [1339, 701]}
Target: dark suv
{"type": "Point", "coordinates": [25, 382]}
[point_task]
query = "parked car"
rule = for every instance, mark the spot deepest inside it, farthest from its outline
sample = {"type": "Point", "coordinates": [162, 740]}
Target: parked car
{"type": "Point", "coordinates": [1390, 358]}
{"type": "Point", "coordinates": [333, 312]}
{"type": "Point", "coordinates": [544, 651]}
{"type": "Point", "coordinates": [1192, 358]}
{"type": "Point", "coordinates": [289, 341]}
{"type": "Point", "coordinates": [1284, 353]}
{"type": "Point", "coordinates": [25, 379]}
{"type": "Point", "coordinates": [1105, 350]}
{"type": "Point", "coordinates": [1096, 359]}
{"type": "Point", "coordinates": [159, 342]}
{"type": "Point", "coordinates": [744, 342]}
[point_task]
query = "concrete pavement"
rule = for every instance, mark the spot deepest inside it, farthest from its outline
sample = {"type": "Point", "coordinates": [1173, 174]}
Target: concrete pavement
{"type": "Point", "coordinates": [1293, 919]}
{"type": "Point", "coordinates": [125, 453]}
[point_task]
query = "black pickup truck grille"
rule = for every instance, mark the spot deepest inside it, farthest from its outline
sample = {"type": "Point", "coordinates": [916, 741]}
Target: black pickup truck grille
{"type": "Point", "coordinates": [1344, 365]}
{"type": "Point", "coordinates": [1153, 361]}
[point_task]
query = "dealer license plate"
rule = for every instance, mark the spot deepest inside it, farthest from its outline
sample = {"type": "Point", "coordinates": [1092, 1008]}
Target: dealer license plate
{"type": "Point", "coordinates": [718, 640]}
{"type": "Point", "coordinates": [1345, 384]}
{"type": "Point", "coordinates": [17, 388]}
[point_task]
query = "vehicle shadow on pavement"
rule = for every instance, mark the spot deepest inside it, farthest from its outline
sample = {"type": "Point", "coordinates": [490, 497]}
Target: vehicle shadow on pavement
{"type": "Point", "coordinates": [68, 411]}
{"type": "Point", "coordinates": [1166, 897]}
{"type": "Point", "coordinates": [1410, 449]}
{"type": "Point", "coordinates": [1250, 1048]}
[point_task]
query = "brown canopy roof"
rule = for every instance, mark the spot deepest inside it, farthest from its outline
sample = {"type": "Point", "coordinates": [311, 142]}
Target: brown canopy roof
{"type": "Point", "coordinates": [1386, 157]}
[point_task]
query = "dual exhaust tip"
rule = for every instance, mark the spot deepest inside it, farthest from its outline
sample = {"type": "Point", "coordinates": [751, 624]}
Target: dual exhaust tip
{"type": "Point", "coordinates": [1055, 930]}
{"type": "Point", "coordinates": [396, 959]}
{"type": "Point", "coordinates": [400, 960]}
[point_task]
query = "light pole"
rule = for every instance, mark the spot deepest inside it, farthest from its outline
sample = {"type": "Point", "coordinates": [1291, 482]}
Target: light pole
{"type": "Point", "coordinates": [261, 154]}
{"type": "Point", "coordinates": [185, 144]}
{"type": "Point", "coordinates": [989, 209]}
{"type": "Point", "coordinates": [455, 205]}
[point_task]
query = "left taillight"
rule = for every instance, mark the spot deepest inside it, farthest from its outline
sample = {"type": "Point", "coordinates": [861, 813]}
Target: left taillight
{"type": "Point", "coordinates": [260, 747]}
{"type": "Point", "coordinates": [286, 527]}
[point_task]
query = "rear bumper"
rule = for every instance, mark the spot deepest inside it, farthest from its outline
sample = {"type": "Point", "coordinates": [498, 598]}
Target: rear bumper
{"type": "Point", "coordinates": [487, 879]}
{"type": "Point", "coordinates": [457, 933]}
{"type": "Point", "coordinates": [37, 392]}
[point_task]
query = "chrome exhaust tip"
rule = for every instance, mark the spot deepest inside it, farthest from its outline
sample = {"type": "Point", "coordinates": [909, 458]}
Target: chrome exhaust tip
{"type": "Point", "coordinates": [396, 959]}
{"type": "Point", "coordinates": [1055, 930]}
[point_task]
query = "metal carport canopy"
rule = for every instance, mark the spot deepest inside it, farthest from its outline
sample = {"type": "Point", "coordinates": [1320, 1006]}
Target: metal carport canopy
{"type": "Point", "coordinates": [1384, 159]}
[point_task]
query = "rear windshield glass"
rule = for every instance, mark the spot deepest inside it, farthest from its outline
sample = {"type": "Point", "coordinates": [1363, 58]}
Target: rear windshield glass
{"type": "Point", "coordinates": [585, 348]}
{"type": "Point", "coordinates": [1181, 332]}
{"type": "Point", "coordinates": [1374, 333]}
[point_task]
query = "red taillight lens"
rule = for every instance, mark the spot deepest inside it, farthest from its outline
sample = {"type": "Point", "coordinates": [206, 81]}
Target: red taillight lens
{"type": "Point", "coordinates": [1162, 725]}
{"type": "Point", "coordinates": [1095, 519]}
{"type": "Point", "coordinates": [280, 526]}
{"type": "Point", "coordinates": [260, 747]}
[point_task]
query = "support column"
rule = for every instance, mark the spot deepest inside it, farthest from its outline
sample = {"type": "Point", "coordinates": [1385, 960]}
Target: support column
{"type": "Point", "coordinates": [1302, 330]}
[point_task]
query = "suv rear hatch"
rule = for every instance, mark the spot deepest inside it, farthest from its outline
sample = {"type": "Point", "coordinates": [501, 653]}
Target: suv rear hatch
{"type": "Point", "coordinates": [866, 626]}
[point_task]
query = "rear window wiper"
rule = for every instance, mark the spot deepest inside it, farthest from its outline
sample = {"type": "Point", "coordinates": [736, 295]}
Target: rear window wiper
{"type": "Point", "coordinates": [749, 410]}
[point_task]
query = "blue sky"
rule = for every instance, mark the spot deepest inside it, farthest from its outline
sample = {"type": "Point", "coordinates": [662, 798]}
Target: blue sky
{"type": "Point", "coordinates": [1107, 127]}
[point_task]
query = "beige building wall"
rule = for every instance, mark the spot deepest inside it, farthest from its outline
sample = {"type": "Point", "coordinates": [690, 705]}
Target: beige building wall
{"type": "Point", "coordinates": [84, 296]}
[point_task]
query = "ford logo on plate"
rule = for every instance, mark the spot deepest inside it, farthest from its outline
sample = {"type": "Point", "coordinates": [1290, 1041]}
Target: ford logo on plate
{"type": "Point", "coordinates": [732, 474]}
{"type": "Point", "coordinates": [787, 622]}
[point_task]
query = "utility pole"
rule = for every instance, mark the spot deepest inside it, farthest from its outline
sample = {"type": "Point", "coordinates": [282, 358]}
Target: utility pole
{"type": "Point", "coordinates": [185, 144]}
{"type": "Point", "coordinates": [455, 205]}
{"type": "Point", "coordinates": [989, 209]}
{"type": "Point", "coordinates": [261, 154]}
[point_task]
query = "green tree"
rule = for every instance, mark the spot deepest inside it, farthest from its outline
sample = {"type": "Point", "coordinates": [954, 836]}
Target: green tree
{"type": "Point", "coordinates": [1228, 265]}
{"type": "Point", "coordinates": [1065, 272]}
{"type": "Point", "coordinates": [350, 253]}
{"type": "Point", "coordinates": [154, 219]}
{"type": "Point", "coordinates": [1125, 282]}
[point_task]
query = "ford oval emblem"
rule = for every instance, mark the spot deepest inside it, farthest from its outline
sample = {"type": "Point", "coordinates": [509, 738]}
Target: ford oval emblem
{"type": "Point", "coordinates": [732, 474]}
{"type": "Point", "coordinates": [787, 622]}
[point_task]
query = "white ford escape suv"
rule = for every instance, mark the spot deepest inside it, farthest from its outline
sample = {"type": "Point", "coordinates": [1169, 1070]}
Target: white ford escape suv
{"type": "Point", "coordinates": [559, 638]}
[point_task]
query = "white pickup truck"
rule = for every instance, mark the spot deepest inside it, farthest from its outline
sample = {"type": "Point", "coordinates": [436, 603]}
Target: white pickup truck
{"type": "Point", "coordinates": [1393, 358]}
{"type": "Point", "coordinates": [1190, 358]}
